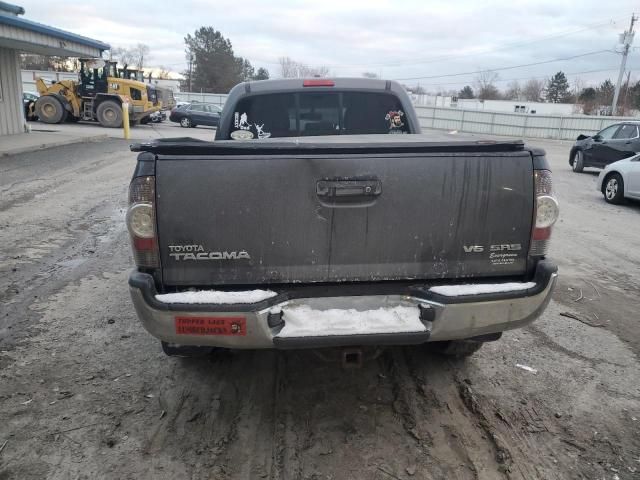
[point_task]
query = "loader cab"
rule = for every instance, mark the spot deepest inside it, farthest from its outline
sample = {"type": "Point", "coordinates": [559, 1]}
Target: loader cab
{"type": "Point", "coordinates": [94, 75]}
{"type": "Point", "coordinates": [131, 74]}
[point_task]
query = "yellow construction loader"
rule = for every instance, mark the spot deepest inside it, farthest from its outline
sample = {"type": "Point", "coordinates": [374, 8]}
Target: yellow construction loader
{"type": "Point", "coordinates": [98, 95]}
{"type": "Point", "coordinates": [163, 95]}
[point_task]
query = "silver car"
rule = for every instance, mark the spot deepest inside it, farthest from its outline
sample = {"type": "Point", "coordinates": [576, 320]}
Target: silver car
{"type": "Point", "coordinates": [620, 180]}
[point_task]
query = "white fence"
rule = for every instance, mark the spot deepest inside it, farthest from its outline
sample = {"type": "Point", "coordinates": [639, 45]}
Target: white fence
{"type": "Point", "coordinates": [215, 98]}
{"type": "Point", "coordinates": [513, 124]}
{"type": "Point", "coordinates": [562, 127]}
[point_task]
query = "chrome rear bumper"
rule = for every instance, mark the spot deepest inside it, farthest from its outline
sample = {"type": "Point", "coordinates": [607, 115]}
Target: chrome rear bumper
{"type": "Point", "coordinates": [443, 318]}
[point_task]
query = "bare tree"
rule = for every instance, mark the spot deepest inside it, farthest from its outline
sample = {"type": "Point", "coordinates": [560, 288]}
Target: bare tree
{"type": "Point", "coordinates": [140, 52]}
{"type": "Point", "coordinates": [514, 91]}
{"type": "Point", "coordinates": [290, 68]}
{"type": "Point", "coordinates": [533, 89]}
{"type": "Point", "coordinates": [133, 56]}
{"type": "Point", "coordinates": [578, 86]}
{"type": "Point", "coordinates": [122, 55]}
{"type": "Point", "coordinates": [163, 73]}
{"type": "Point", "coordinates": [485, 85]}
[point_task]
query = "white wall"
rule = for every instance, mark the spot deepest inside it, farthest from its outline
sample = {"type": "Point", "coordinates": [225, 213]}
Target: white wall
{"type": "Point", "coordinates": [215, 98]}
{"type": "Point", "coordinates": [11, 107]}
{"type": "Point", "coordinates": [29, 78]}
{"type": "Point", "coordinates": [508, 106]}
{"type": "Point", "coordinates": [519, 125]}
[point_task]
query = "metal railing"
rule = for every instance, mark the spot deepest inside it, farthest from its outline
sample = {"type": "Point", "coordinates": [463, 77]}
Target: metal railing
{"type": "Point", "coordinates": [561, 127]}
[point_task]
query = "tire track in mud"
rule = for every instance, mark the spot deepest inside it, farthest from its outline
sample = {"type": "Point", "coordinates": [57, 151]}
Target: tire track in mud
{"type": "Point", "coordinates": [386, 420]}
{"type": "Point", "coordinates": [203, 408]}
{"type": "Point", "coordinates": [432, 413]}
{"type": "Point", "coordinates": [278, 437]}
{"type": "Point", "coordinates": [523, 442]}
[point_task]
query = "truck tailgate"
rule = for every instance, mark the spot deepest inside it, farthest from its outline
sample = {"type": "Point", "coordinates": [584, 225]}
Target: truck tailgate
{"type": "Point", "coordinates": [364, 214]}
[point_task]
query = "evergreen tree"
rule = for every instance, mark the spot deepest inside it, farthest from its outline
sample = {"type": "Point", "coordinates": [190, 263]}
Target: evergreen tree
{"type": "Point", "coordinates": [215, 68]}
{"type": "Point", "coordinates": [605, 93]}
{"type": "Point", "coordinates": [466, 92]}
{"type": "Point", "coordinates": [262, 74]}
{"type": "Point", "coordinates": [557, 90]}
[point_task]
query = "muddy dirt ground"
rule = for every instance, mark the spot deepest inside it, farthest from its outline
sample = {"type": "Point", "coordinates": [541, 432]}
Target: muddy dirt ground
{"type": "Point", "coordinates": [86, 393]}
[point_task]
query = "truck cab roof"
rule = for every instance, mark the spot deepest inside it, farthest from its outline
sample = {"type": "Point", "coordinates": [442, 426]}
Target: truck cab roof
{"type": "Point", "coordinates": [316, 106]}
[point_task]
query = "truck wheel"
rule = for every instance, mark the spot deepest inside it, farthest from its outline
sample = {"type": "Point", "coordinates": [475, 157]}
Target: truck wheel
{"type": "Point", "coordinates": [456, 348]}
{"type": "Point", "coordinates": [185, 122]}
{"type": "Point", "coordinates": [50, 110]}
{"type": "Point", "coordinates": [109, 114]}
{"type": "Point", "coordinates": [145, 120]}
{"type": "Point", "coordinates": [186, 351]}
{"type": "Point", "coordinates": [614, 189]}
{"type": "Point", "coordinates": [578, 162]}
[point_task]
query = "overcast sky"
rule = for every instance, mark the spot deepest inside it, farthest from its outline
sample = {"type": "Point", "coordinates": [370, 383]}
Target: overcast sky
{"type": "Point", "coordinates": [395, 39]}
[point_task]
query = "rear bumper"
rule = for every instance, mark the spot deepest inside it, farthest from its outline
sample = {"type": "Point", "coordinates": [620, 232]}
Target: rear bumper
{"type": "Point", "coordinates": [443, 318]}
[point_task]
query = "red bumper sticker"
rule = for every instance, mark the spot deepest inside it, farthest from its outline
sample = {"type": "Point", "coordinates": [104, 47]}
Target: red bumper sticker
{"type": "Point", "coordinates": [234, 326]}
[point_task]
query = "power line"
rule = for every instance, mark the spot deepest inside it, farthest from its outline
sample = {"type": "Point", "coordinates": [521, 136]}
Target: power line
{"type": "Point", "coordinates": [466, 82]}
{"type": "Point", "coordinates": [512, 67]}
{"type": "Point", "coordinates": [499, 49]}
{"type": "Point", "coordinates": [447, 57]}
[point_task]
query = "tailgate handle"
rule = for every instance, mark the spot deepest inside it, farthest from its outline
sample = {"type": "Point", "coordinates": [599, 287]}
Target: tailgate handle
{"type": "Point", "coordinates": [334, 190]}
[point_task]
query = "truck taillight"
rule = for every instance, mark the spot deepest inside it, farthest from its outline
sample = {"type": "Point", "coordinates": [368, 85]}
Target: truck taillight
{"type": "Point", "coordinates": [141, 222]}
{"type": "Point", "coordinates": [546, 213]}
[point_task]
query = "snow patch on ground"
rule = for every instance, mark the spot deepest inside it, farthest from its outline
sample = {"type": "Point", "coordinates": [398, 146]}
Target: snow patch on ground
{"type": "Point", "coordinates": [214, 296]}
{"type": "Point", "coordinates": [480, 288]}
{"type": "Point", "coordinates": [527, 368]}
{"type": "Point", "coordinates": [304, 321]}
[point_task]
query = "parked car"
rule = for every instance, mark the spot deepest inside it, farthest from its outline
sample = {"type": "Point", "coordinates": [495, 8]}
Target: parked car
{"type": "Point", "coordinates": [621, 180]}
{"type": "Point", "coordinates": [614, 143]}
{"type": "Point", "coordinates": [29, 101]}
{"type": "Point", "coordinates": [180, 104]}
{"type": "Point", "coordinates": [196, 114]}
{"type": "Point", "coordinates": [383, 237]}
{"type": "Point", "coordinates": [159, 116]}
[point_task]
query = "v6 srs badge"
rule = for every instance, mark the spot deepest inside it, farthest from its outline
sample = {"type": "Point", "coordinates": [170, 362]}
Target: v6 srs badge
{"type": "Point", "coordinates": [502, 247]}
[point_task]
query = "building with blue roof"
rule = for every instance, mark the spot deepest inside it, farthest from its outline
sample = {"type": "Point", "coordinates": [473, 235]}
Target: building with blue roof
{"type": "Point", "coordinates": [19, 35]}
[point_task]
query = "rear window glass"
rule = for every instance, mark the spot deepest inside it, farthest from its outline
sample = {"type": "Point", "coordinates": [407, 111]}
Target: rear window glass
{"type": "Point", "coordinates": [317, 113]}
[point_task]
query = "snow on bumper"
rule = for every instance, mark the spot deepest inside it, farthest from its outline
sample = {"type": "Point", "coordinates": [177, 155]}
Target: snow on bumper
{"type": "Point", "coordinates": [410, 316]}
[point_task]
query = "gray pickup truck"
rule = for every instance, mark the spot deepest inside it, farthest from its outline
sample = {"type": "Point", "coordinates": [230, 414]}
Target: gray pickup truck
{"type": "Point", "coordinates": [321, 218]}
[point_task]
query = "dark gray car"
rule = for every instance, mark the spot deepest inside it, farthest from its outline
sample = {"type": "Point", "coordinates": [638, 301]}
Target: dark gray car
{"type": "Point", "coordinates": [196, 114]}
{"type": "Point", "coordinates": [615, 142]}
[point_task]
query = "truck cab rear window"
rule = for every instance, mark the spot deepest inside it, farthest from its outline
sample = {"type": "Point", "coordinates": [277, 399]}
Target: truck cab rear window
{"type": "Point", "coordinates": [317, 113]}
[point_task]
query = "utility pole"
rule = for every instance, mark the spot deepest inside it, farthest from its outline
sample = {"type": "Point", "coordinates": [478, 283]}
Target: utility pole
{"type": "Point", "coordinates": [190, 65]}
{"type": "Point", "coordinates": [627, 38]}
{"type": "Point", "coordinates": [626, 92]}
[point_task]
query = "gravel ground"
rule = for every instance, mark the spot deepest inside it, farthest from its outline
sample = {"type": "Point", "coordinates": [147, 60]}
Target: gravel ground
{"type": "Point", "coordinates": [85, 392]}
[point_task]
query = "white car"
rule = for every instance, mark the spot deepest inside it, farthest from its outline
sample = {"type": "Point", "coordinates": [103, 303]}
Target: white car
{"type": "Point", "coordinates": [620, 180]}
